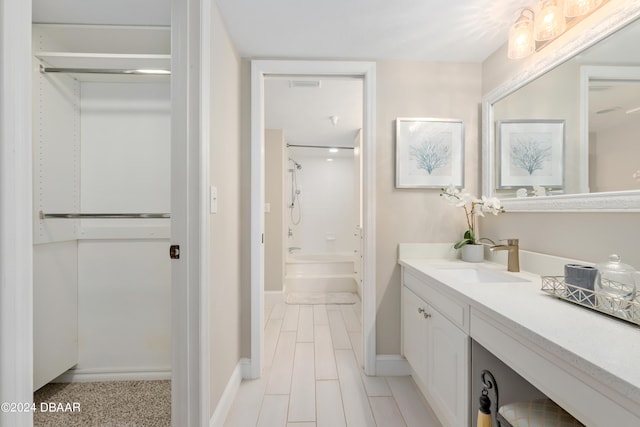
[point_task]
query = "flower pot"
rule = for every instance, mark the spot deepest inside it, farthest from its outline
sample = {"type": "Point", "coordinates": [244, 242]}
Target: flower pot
{"type": "Point", "coordinates": [472, 253]}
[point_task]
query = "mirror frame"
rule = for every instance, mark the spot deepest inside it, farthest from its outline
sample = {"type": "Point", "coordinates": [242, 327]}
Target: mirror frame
{"type": "Point", "coordinates": [619, 201]}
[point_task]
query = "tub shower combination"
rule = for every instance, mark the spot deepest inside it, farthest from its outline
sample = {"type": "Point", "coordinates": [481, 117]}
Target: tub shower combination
{"type": "Point", "coordinates": [320, 273]}
{"type": "Point", "coordinates": [310, 271]}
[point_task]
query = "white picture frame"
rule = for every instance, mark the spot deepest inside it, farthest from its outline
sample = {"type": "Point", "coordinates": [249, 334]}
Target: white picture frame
{"type": "Point", "coordinates": [531, 153]}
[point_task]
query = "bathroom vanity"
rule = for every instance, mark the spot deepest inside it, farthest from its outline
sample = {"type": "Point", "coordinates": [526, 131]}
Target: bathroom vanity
{"type": "Point", "coordinates": [585, 361]}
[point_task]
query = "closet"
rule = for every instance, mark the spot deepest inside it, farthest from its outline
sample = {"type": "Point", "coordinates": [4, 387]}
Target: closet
{"type": "Point", "coordinates": [101, 147]}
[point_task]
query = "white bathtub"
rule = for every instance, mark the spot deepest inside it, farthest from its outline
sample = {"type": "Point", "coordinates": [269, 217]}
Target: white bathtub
{"type": "Point", "coordinates": [324, 272]}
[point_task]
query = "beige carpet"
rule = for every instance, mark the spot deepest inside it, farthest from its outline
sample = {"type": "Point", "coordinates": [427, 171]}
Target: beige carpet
{"type": "Point", "coordinates": [310, 298]}
{"type": "Point", "coordinates": [105, 404]}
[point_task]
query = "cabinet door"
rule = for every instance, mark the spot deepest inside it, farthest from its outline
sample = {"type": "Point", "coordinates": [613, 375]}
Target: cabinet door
{"type": "Point", "coordinates": [415, 334]}
{"type": "Point", "coordinates": [448, 370]}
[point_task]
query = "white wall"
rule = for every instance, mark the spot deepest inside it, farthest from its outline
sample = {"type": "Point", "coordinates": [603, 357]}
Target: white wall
{"type": "Point", "coordinates": [417, 89]}
{"type": "Point", "coordinates": [125, 130]}
{"type": "Point", "coordinates": [327, 200]}
{"type": "Point", "coordinates": [229, 246]}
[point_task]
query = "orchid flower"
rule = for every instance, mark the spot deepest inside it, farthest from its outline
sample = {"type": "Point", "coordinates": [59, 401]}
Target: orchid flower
{"type": "Point", "coordinates": [473, 207]}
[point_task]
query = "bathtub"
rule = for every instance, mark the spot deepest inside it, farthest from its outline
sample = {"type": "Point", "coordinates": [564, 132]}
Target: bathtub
{"type": "Point", "coordinates": [324, 272]}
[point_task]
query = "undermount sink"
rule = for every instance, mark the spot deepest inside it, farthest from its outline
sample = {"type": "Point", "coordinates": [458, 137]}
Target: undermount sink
{"type": "Point", "coordinates": [480, 274]}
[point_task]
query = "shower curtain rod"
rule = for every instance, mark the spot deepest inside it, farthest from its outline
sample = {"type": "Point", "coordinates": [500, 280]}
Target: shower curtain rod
{"type": "Point", "coordinates": [318, 146]}
{"type": "Point", "coordinates": [43, 215]}
{"type": "Point", "coordinates": [138, 72]}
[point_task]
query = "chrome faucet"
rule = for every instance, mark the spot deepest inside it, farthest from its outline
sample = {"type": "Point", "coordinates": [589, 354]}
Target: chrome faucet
{"type": "Point", "coordinates": [513, 260]}
{"type": "Point", "coordinates": [293, 248]}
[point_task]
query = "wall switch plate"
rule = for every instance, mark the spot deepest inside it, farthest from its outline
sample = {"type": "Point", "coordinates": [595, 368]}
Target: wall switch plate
{"type": "Point", "coordinates": [267, 208]}
{"type": "Point", "coordinates": [213, 199]}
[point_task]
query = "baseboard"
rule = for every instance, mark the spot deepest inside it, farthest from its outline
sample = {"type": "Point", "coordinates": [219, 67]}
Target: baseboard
{"type": "Point", "coordinates": [273, 297]}
{"type": "Point", "coordinates": [110, 374]}
{"type": "Point", "coordinates": [229, 394]}
{"type": "Point", "coordinates": [391, 365]}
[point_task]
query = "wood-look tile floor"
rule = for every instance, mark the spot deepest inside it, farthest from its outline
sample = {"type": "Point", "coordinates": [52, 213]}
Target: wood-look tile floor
{"type": "Point", "coordinates": [313, 377]}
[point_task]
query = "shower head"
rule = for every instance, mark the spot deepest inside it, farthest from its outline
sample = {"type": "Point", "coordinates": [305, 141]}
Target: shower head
{"type": "Point", "coordinates": [296, 164]}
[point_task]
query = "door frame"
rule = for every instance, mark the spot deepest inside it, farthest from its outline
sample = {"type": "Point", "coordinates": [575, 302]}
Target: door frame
{"type": "Point", "coordinates": [16, 229]}
{"type": "Point", "coordinates": [367, 71]}
{"type": "Point", "coordinates": [190, 120]}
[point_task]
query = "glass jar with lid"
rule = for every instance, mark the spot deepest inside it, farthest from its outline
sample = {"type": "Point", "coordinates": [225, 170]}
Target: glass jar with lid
{"type": "Point", "coordinates": [615, 284]}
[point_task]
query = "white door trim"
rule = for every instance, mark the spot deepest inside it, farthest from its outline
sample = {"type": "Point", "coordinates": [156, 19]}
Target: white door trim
{"type": "Point", "coordinates": [16, 261]}
{"type": "Point", "coordinates": [205, 217]}
{"type": "Point", "coordinates": [366, 70]}
{"type": "Point", "coordinates": [189, 216]}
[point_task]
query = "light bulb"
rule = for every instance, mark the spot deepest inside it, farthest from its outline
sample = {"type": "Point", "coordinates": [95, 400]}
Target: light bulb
{"type": "Point", "coordinates": [550, 21]}
{"type": "Point", "coordinates": [521, 42]}
{"type": "Point", "coordinates": [573, 8]}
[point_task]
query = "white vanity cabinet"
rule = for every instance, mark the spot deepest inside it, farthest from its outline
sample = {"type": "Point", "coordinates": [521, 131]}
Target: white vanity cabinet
{"type": "Point", "coordinates": [437, 346]}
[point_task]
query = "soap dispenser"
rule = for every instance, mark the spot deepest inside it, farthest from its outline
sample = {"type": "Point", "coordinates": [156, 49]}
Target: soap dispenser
{"type": "Point", "coordinates": [615, 281]}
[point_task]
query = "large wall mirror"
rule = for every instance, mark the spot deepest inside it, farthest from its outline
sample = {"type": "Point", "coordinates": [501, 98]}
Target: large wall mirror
{"type": "Point", "coordinates": [565, 134]}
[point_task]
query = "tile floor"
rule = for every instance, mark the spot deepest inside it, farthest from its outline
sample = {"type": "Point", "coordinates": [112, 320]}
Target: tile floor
{"type": "Point", "coordinates": [312, 376]}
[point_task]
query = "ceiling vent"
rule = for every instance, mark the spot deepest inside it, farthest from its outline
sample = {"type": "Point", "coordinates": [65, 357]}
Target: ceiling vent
{"type": "Point", "coordinates": [304, 83]}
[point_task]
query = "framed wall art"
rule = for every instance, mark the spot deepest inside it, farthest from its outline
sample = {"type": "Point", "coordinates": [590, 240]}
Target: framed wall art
{"type": "Point", "coordinates": [429, 153]}
{"type": "Point", "coordinates": [531, 153]}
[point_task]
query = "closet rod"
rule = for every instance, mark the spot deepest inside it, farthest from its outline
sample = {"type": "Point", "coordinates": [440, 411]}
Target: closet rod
{"type": "Point", "coordinates": [319, 146]}
{"type": "Point", "coordinates": [103, 215]}
{"type": "Point", "coordinates": [138, 72]}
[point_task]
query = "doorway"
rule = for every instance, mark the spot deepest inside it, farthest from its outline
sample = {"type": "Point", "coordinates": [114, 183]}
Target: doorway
{"type": "Point", "coordinates": [330, 69]}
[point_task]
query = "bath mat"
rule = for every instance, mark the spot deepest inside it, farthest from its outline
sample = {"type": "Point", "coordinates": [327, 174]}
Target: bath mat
{"type": "Point", "coordinates": [310, 298]}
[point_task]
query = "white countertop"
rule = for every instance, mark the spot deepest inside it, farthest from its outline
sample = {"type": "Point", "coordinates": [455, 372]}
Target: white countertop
{"type": "Point", "coordinates": [605, 348]}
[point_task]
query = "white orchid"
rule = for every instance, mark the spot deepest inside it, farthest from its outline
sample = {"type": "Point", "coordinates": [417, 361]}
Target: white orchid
{"type": "Point", "coordinates": [473, 207]}
{"type": "Point", "coordinates": [491, 205]}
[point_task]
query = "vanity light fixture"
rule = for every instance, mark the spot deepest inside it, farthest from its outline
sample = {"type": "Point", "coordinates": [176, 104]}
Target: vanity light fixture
{"type": "Point", "coordinates": [533, 31]}
{"type": "Point", "coordinates": [521, 41]}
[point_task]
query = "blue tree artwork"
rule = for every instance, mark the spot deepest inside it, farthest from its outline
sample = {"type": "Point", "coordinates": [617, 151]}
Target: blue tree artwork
{"type": "Point", "coordinates": [530, 152]}
{"type": "Point", "coordinates": [431, 154]}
